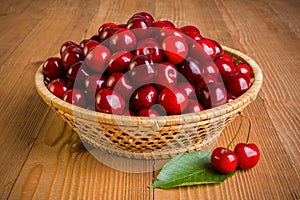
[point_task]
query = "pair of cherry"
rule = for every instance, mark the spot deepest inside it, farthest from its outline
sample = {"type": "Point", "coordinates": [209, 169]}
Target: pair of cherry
{"type": "Point", "coordinates": [245, 155]}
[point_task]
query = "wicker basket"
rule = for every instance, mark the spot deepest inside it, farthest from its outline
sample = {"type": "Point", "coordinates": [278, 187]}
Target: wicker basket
{"type": "Point", "coordinates": [156, 137]}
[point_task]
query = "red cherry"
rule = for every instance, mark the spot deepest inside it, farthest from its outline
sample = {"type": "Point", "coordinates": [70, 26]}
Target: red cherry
{"type": "Point", "coordinates": [162, 33]}
{"type": "Point", "coordinates": [194, 37]}
{"type": "Point", "coordinates": [119, 62]}
{"type": "Point", "coordinates": [210, 69]}
{"type": "Point", "coordinates": [65, 45]}
{"type": "Point", "coordinates": [237, 84]}
{"type": "Point", "coordinates": [108, 101]}
{"type": "Point", "coordinates": [175, 48]}
{"type": "Point", "coordinates": [52, 68]}
{"type": "Point", "coordinates": [83, 42]}
{"type": "Point", "coordinates": [225, 67]}
{"type": "Point", "coordinates": [120, 83]}
{"type": "Point", "coordinates": [224, 160]}
{"type": "Point", "coordinates": [190, 28]}
{"type": "Point", "coordinates": [75, 97]}
{"type": "Point", "coordinates": [209, 47]}
{"type": "Point", "coordinates": [95, 37]}
{"type": "Point", "coordinates": [141, 70]}
{"type": "Point", "coordinates": [166, 76]}
{"type": "Point", "coordinates": [143, 98]}
{"type": "Point", "coordinates": [107, 32]}
{"type": "Point", "coordinates": [123, 39]}
{"type": "Point", "coordinates": [71, 55]}
{"type": "Point", "coordinates": [193, 106]}
{"type": "Point", "coordinates": [97, 58]}
{"type": "Point", "coordinates": [163, 24]}
{"type": "Point", "coordinates": [191, 69]}
{"type": "Point", "coordinates": [148, 17]}
{"type": "Point", "coordinates": [230, 97]}
{"type": "Point", "coordinates": [151, 48]}
{"type": "Point", "coordinates": [148, 113]}
{"type": "Point", "coordinates": [247, 154]}
{"type": "Point", "coordinates": [173, 100]}
{"type": "Point", "coordinates": [188, 88]}
{"type": "Point", "coordinates": [212, 95]}
{"type": "Point", "coordinates": [206, 80]}
{"type": "Point", "coordinates": [107, 24]}
{"type": "Point", "coordinates": [93, 84]}
{"type": "Point", "coordinates": [244, 69]}
{"type": "Point", "coordinates": [58, 87]}
{"type": "Point", "coordinates": [89, 45]}
{"type": "Point", "coordinates": [226, 57]}
{"type": "Point", "coordinates": [141, 24]}
{"type": "Point", "coordinates": [77, 72]}
{"type": "Point", "coordinates": [218, 49]}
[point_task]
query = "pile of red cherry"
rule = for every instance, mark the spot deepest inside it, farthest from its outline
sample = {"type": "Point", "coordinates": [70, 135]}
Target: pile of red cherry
{"type": "Point", "coordinates": [146, 68]}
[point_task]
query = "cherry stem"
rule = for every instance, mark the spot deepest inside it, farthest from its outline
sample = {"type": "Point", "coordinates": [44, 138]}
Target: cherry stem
{"type": "Point", "coordinates": [237, 132]}
{"type": "Point", "coordinates": [249, 121]}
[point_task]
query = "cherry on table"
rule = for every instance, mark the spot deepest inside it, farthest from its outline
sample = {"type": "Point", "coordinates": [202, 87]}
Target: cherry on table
{"type": "Point", "coordinates": [224, 160]}
{"type": "Point", "coordinates": [248, 155]}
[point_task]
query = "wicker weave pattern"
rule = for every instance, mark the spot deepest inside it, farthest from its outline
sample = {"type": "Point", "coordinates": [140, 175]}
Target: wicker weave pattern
{"type": "Point", "coordinates": [153, 138]}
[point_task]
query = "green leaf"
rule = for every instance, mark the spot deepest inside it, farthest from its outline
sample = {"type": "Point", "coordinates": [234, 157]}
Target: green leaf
{"type": "Point", "coordinates": [188, 169]}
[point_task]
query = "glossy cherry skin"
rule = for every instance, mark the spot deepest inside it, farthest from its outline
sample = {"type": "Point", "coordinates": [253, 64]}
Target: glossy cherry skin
{"type": "Point", "coordinates": [173, 100]}
{"type": "Point", "coordinates": [218, 49]}
{"type": "Point", "coordinates": [191, 69]}
{"type": "Point", "coordinates": [237, 84]}
{"type": "Point", "coordinates": [230, 97]}
{"type": "Point", "coordinates": [190, 28]}
{"type": "Point", "coordinates": [107, 24]}
{"type": "Point", "coordinates": [58, 87]}
{"type": "Point", "coordinates": [52, 68]}
{"type": "Point", "coordinates": [141, 70]}
{"type": "Point", "coordinates": [209, 47]}
{"type": "Point", "coordinates": [166, 75]}
{"type": "Point", "coordinates": [206, 80]}
{"type": "Point", "coordinates": [75, 97]}
{"type": "Point", "coordinates": [162, 33]}
{"type": "Point", "coordinates": [71, 55]}
{"type": "Point", "coordinates": [141, 24]}
{"type": "Point", "coordinates": [151, 48]}
{"type": "Point", "coordinates": [194, 37]}
{"type": "Point", "coordinates": [248, 155]}
{"type": "Point", "coordinates": [225, 67]}
{"type": "Point", "coordinates": [97, 58]}
{"type": "Point", "coordinates": [163, 24]}
{"type": "Point", "coordinates": [147, 16]}
{"type": "Point", "coordinates": [143, 98]}
{"type": "Point", "coordinates": [89, 45]}
{"type": "Point", "coordinates": [175, 49]}
{"type": "Point", "coordinates": [193, 106]}
{"type": "Point", "coordinates": [93, 84]}
{"type": "Point", "coordinates": [123, 39]}
{"type": "Point", "coordinates": [226, 57]}
{"type": "Point", "coordinates": [77, 72]}
{"type": "Point", "coordinates": [108, 101]}
{"type": "Point", "coordinates": [148, 113]}
{"type": "Point", "coordinates": [65, 45]}
{"type": "Point", "coordinates": [210, 69]}
{"type": "Point", "coordinates": [245, 69]}
{"type": "Point", "coordinates": [224, 160]}
{"type": "Point", "coordinates": [119, 62]}
{"type": "Point", "coordinates": [188, 88]}
{"type": "Point", "coordinates": [212, 95]}
{"type": "Point", "coordinates": [120, 83]}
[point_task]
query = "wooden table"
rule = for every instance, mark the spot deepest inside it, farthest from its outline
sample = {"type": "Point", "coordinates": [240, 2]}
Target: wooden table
{"type": "Point", "coordinates": [39, 158]}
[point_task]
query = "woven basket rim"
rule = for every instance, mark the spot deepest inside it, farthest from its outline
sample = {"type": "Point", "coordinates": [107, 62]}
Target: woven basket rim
{"type": "Point", "coordinates": [207, 114]}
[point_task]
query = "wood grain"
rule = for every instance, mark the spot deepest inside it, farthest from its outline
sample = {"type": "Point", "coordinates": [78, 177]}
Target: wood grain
{"type": "Point", "coordinates": [42, 158]}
